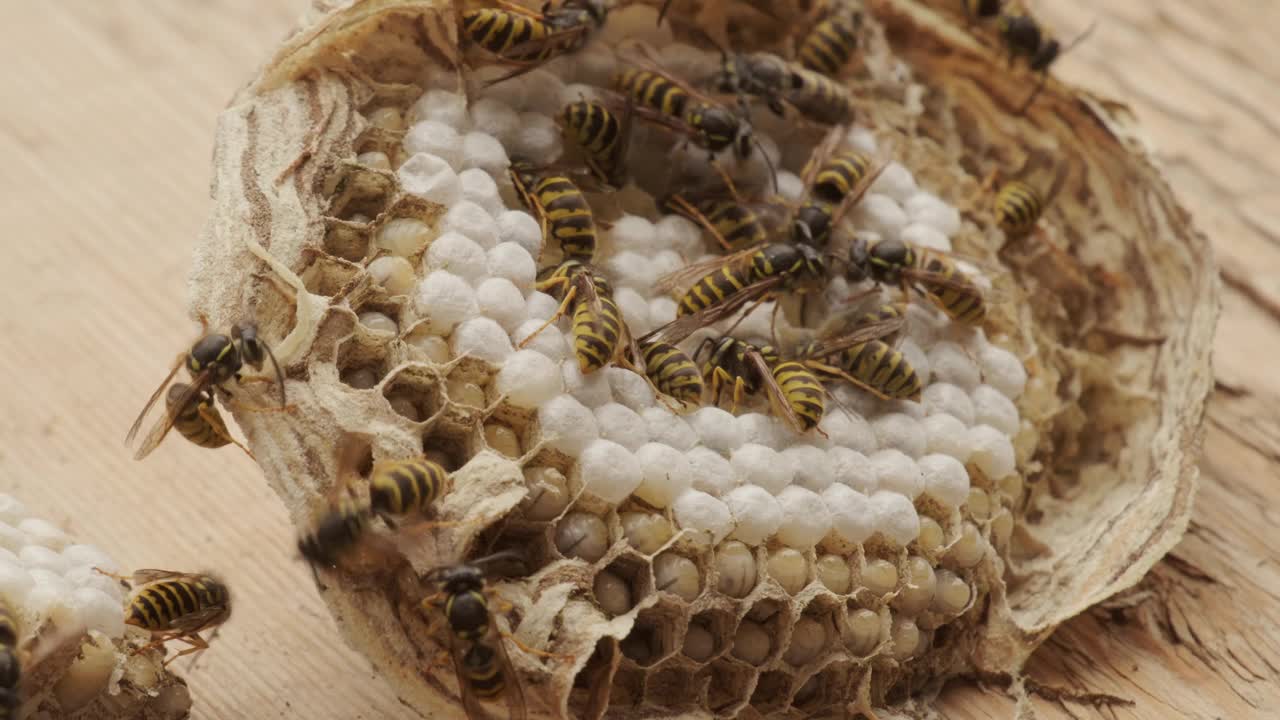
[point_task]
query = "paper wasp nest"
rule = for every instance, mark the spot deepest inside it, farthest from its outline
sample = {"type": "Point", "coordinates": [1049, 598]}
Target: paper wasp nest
{"type": "Point", "coordinates": [701, 563]}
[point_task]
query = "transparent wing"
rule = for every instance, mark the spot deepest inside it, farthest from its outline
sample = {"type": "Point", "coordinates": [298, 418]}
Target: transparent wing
{"type": "Point", "coordinates": [879, 162]}
{"type": "Point", "coordinates": [137, 423]}
{"type": "Point", "coordinates": [832, 344]}
{"type": "Point", "coordinates": [693, 272]}
{"type": "Point", "coordinates": [777, 398]}
{"type": "Point", "coordinates": [643, 56]}
{"type": "Point", "coordinates": [685, 325]}
{"type": "Point", "coordinates": [150, 575]}
{"type": "Point", "coordinates": [200, 620]}
{"type": "Point", "coordinates": [821, 153]}
{"type": "Point", "coordinates": [171, 412]}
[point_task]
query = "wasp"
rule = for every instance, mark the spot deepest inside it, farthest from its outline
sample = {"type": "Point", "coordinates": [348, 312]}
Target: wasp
{"type": "Point", "coordinates": [336, 532]}
{"type": "Point", "coordinates": [936, 276]}
{"type": "Point", "coordinates": [793, 391]}
{"type": "Point", "coordinates": [751, 274]}
{"type": "Point", "coordinates": [1024, 37]}
{"type": "Point", "coordinates": [733, 224]}
{"type": "Point", "coordinates": [561, 208]}
{"type": "Point", "coordinates": [10, 665]}
{"type": "Point", "coordinates": [671, 370]}
{"type": "Point", "coordinates": [1019, 204]}
{"type": "Point", "coordinates": [212, 361]}
{"type": "Point", "coordinates": [200, 422]}
{"type": "Point", "coordinates": [780, 83]}
{"type": "Point", "coordinates": [830, 44]}
{"type": "Point", "coordinates": [597, 325]}
{"type": "Point", "coordinates": [176, 606]}
{"type": "Point", "coordinates": [479, 659]}
{"type": "Point", "coordinates": [526, 38]}
{"type": "Point", "coordinates": [402, 487]}
{"type": "Point", "coordinates": [603, 135]}
{"type": "Point", "coordinates": [864, 357]}
{"type": "Point", "coordinates": [708, 124]}
{"type": "Point", "coordinates": [836, 178]}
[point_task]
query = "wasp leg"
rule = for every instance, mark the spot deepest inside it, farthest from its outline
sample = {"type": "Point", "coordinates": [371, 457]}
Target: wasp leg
{"type": "Point", "coordinates": [559, 313]}
{"type": "Point", "coordinates": [197, 643]}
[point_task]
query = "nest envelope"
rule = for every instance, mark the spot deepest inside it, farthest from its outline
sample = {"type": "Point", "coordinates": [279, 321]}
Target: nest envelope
{"type": "Point", "coordinates": [1111, 308]}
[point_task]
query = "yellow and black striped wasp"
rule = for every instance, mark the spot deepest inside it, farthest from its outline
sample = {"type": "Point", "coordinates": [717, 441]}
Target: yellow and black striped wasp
{"type": "Point", "coordinates": [602, 132]}
{"type": "Point", "coordinates": [175, 605]}
{"type": "Point", "coordinates": [527, 38]}
{"type": "Point", "coordinates": [793, 391]}
{"type": "Point", "coordinates": [721, 286]}
{"type": "Point", "coordinates": [480, 660]}
{"type": "Point", "coordinates": [863, 355]}
{"type": "Point", "coordinates": [398, 488]}
{"type": "Point", "coordinates": [707, 123]}
{"type": "Point", "coordinates": [212, 361]}
{"type": "Point", "coordinates": [934, 274]}
{"type": "Point", "coordinates": [599, 333]}
{"type": "Point", "coordinates": [1024, 37]}
{"type": "Point", "coordinates": [1019, 203]}
{"type": "Point", "coordinates": [200, 422]}
{"type": "Point", "coordinates": [780, 83]}
{"type": "Point", "coordinates": [836, 177]}
{"type": "Point", "coordinates": [734, 225]}
{"type": "Point", "coordinates": [829, 45]}
{"type": "Point", "coordinates": [671, 370]}
{"type": "Point", "coordinates": [560, 207]}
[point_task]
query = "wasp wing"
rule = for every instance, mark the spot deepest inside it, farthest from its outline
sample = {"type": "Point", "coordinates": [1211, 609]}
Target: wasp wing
{"type": "Point", "coordinates": [851, 199]}
{"type": "Point", "coordinates": [150, 575]}
{"type": "Point", "coordinates": [695, 271]}
{"type": "Point", "coordinates": [137, 423]}
{"type": "Point", "coordinates": [777, 398]}
{"type": "Point", "coordinates": [682, 327]}
{"type": "Point", "coordinates": [820, 155]}
{"type": "Point", "coordinates": [173, 408]}
{"type": "Point", "coordinates": [830, 345]}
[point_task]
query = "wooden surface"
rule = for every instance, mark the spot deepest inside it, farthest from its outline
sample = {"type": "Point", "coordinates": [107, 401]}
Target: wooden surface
{"type": "Point", "coordinates": [105, 137]}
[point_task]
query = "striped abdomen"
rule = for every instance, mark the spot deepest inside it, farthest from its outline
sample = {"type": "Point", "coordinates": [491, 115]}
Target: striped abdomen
{"type": "Point", "coordinates": [959, 297]}
{"type": "Point", "coordinates": [207, 430]}
{"type": "Point", "coordinates": [831, 42]}
{"type": "Point", "coordinates": [1018, 207]}
{"type": "Point", "coordinates": [483, 671]}
{"type": "Point", "coordinates": [336, 532]}
{"type": "Point", "coordinates": [401, 487]}
{"type": "Point", "coordinates": [569, 218]}
{"type": "Point", "coordinates": [803, 392]}
{"type": "Point", "coordinates": [838, 176]}
{"type": "Point", "coordinates": [161, 605]}
{"type": "Point", "coordinates": [715, 287]}
{"type": "Point", "coordinates": [597, 131]}
{"type": "Point", "coordinates": [654, 91]}
{"type": "Point", "coordinates": [818, 97]}
{"type": "Point", "coordinates": [499, 31]}
{"type": "Point", "coordinates": [595, 338]}
{"type": "Point", "coordinates": [883, 369]}
{"type": "Point", "coordinates": [672, 371]}
{"type": "Point", "coordinates": [736, 223]}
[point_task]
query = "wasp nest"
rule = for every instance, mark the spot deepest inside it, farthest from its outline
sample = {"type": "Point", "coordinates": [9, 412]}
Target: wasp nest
{"type": "Point", "coordinates": [70, 655]}
{"type": "Point", "coordinates": [706, 562]}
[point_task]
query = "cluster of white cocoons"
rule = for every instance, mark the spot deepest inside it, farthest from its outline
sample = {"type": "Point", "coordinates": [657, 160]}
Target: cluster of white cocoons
{"type": "Point", "coordinates": [45, 575]}
{"type": "Point", "coordinates": [746, 477]}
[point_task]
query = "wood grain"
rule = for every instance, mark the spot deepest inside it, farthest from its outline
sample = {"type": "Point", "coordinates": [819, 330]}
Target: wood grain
{"type": "Point", "coordinates": [106, 132]}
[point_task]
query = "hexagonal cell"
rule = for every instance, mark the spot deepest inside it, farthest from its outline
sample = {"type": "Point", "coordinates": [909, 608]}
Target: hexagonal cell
{"type": "Point", "coordinates": [407, 227]}
{"type": "Point", "coordinates": [360, 364]}
{"type": "Point", "coordinates": [502, 439]}
{"type": "Point", "coordinates": [825, 689]}
{"type": "Point", "coordinates": [633, 571]}
{"type": "Point", "coordinates": [656, 634]}
{"type": "Point", "coordinates": [709, 635]}
{"type": "Point", "coordinates": [628, 688]}
{"type": "Point", "coordinates": [764, 633]}
{"type": "Point", "coordinates": [729, 686]}
{"type": "Point", "coordinates": [737, 570]}
{"type": "Point", "coordinates": [861, 630]}
{"type": "Point", "coordinates": [447, 444]}
{"type": "Point", "coordinates": [529, 541]}
{"type": "Point", "coordinates": [773, 690]}
{"type": "Point", "coordinates": [328, 276]}
{"type": "Point", "coordinates": [548, 496]}
{"type": "Point", "coordinates": [674, 687]}
{"type": "Point", "coordinates": [814, 631]}
{"type": "Point", "coordinates": [414, 393]}
{"type": "Point", "coordinates": [347, 239]}
{"type": "Point", "coordinates": [789, 568]}
{"type": "Point", "coordinates": [675, 573]}
{"type": "Point", "coordinates": [582, 535]}
{"type": "Point", "coordinates": [361, 191]}
{"type": "Point", "coordinates": [592, 686]}
{"type": "Point", "coordinates": [645, 531]}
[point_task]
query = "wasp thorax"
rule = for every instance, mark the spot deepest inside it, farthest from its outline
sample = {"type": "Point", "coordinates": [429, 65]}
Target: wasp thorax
{"type": "Point", "coordinates": [216, 354]}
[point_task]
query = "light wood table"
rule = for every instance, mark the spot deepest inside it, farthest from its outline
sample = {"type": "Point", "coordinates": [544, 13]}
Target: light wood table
{"type": "Point", "coordinates": [105, 128]}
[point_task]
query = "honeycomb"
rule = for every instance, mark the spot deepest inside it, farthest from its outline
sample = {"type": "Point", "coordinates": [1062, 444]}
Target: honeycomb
{"type": "Point", "coordinates": [818, 574]}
